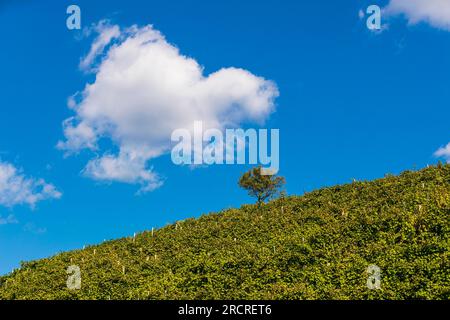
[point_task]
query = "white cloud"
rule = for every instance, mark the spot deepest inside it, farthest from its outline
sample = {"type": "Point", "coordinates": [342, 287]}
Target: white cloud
{"type": "Point", "coordinates": [106, 33]}
{"type": "Point", "coordinates": [434, 12]}
{"type": "Point", "coordinates": [10, 219]}
{"type": "Point", "coordinates": [444, 152]}
{"type": "Point", "coordinates": [123, 168]}
{"type": "Point", "coordinates": [144, 89]}
{"type": "Point", "coordinates": [16, 189]}
{"type": "Point", "coordinates": [32, 228]}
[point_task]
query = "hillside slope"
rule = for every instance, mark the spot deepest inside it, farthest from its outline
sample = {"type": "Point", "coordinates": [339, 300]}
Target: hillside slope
{"type": "Point", "coordinates": [317, 246]}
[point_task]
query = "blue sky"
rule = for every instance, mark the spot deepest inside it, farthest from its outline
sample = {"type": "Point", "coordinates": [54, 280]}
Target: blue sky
{"type": "Point", "coordinates": [353, 103]}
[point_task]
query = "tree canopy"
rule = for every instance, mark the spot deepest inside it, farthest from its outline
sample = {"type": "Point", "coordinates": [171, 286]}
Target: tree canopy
{"type": "Point", "coordinates": [262, 187]}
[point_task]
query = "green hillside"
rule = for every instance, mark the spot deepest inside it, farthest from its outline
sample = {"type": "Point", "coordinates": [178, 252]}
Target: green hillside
{"type": "Point", "coordinates": [316, 246]}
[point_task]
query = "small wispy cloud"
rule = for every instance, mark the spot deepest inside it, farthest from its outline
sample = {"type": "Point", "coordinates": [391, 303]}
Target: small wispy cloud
{"type": "Point", "coordinates": [17, 189]}
{"type": "Point", "coordinates": [32, 228]}
{"type": "Point", "coordinates": [105, 34]}
{"type": "Point", "coordinates": [10, 219]}
{"type": "Point", "coordinates": [443, 152]}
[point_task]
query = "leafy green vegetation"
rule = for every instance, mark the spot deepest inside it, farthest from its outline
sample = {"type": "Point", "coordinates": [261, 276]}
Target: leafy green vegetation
{"type": "Point", "coordinates": [316, 246]}
{"type": "Point", "coordinates": [260, 186]}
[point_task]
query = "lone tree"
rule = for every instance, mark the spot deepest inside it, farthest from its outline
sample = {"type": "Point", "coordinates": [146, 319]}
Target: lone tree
{"type": "Point", "coordinates": [262, 187]}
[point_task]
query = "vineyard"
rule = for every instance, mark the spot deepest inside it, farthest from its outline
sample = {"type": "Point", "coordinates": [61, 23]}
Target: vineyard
{"type": "Point", "coordinates": [315, 246]}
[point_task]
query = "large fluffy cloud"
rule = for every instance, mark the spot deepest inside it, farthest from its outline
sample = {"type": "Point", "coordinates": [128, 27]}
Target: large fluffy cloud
{"type": "Point", "coordinates": [434, 12]}
{"type": "Point", "coordinates": [144, 89]}
{"type": "Point", "coordinates": [17, 189]}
